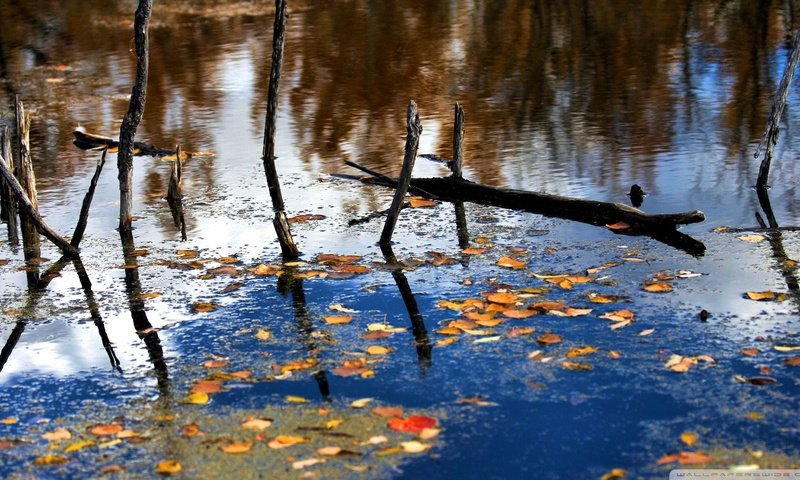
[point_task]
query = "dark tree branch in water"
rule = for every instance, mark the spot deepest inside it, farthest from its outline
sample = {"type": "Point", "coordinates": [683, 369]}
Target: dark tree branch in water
{"type": "Point", "coordinates": [414, 130]}
{"type": "Point", "coordinates": [83, 218]}
{"type": "Point", "coordinates": [280, 223]}
{"type": "Point", "coordinates": [9, 204]}
{"type": "Point", "coordinates": [770, 135]}
{"type": "Point", "coordinates": [130, 122]}
{"type": "Point", "coordinates": [25, 205]}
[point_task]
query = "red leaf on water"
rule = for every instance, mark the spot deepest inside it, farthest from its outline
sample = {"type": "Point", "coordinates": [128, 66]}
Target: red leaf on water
{"type": "Point", "coordinates": [412, 424]}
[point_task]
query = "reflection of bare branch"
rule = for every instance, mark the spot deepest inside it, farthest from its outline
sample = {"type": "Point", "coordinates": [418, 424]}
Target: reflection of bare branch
{"type": "Point", "coordinates": [288, 283]}
{"type": "Point", "coordinates": [94, 311]}
{"type": "Point", "coordinates": [423, 343]}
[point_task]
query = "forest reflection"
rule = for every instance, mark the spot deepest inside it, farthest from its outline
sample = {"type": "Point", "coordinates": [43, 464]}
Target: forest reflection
{"type": "Point", "coordinates": [594, 89]}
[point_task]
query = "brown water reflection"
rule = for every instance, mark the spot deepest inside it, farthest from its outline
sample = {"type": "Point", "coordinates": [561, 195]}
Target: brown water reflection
{"type": "Point", "coordinates": [570, 97]}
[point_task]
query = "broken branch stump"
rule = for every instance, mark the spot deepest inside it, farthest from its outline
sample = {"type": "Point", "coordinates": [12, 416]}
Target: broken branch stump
{"type": "Point", "coordinates": [9, 202]}
{"type": "Point", "coordinates": [458, 141]}
{"type": "Point", "coordinates": [288, 247]}
{"type": "Point", "coordinates": [83, 218]}
{"type": "Point", "coordinates": [24, 171]}
{"type": "Point", "coordinates": [414, 129]}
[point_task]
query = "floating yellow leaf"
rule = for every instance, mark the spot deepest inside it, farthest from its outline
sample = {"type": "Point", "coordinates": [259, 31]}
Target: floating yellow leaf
{"type": "Point", "coordinates": [689, 438]}
{"type": "Point", "coordinates": [263, 334]}
{"type": "Point", "coordinates": [581, 351]}
{"type": "Point", "coordinates": [446, 341]}
{"type": "Point", "coordinates": [168, 467]}
{"type": "Point", "coordinates": [218, 363]}
{"type": "Point", "coordinates": [414, 446]}
{"type": "Point", "coordinates": [254, 423]}
{"type": "Point", "coordinates": [658, 287]}
{"type": "Point", "coordinates": [520, 331]}
{"type": "Point", "coordinates": [296, 399]}
{"type": "Point", "coordinates": [283, 441]}
{"type": "Point", "coordinates": [198, 398]}
{"type": "Point", "coordinates": [786, 348]}
{"type": "Point", "coordinates": [761, 296]}
{"type": "Point", "coordinates": [187, 254]}
{"type": "Point", "coordinates": [329, 451]}
{"type": "Point", "coordinates": [473, 251]}
{"type": "Point", "coordinates": [502, 297]}
{"type": "Point", "coordinates": [237, 447]}
{"type": "Point", "coordinates": [76, 446]}
{"type": "Point", "coordinates": [337, 319]}
{"type": "Point", "coordinates": [512, 263]}
{"type": "Point", "coordinates": [263, 270]}
{"type": "Point", "coordinates": [50, 459]}
{"type": "Point", "coordinates": [333, 423]}
{"type": "Point", "coordinates": [9, 421]}
{"type": "Point", "coordinates": [150, 295]}
{"type": "Point", "coordinates": [754, 416]}
{"type": "Point", "coordinates": [549, 339]}
{"type": "Point", "coordinates": [752, 237]}
{"type": "Point", "coordinates": [646, 332]}
{"type": "Point", "coordinates": [378, 350]}
{"type": "Point", "coordinates": [618, 316]}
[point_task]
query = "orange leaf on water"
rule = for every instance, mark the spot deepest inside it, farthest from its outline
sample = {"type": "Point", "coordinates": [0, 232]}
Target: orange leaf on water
{"type": "Point", "coordinates": [512, 263]}
{"type": "Point", "coordinates": [549, 339]}
{"type": "Point", "coordinates": [105, 430]}
{"type": "Point", "coordinates": [412, 424]}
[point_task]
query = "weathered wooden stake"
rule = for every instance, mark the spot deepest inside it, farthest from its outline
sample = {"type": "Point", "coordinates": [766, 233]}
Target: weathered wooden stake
{"type": "Point", "coordinates": [280, 222]}
{"type": "Point", "coordinates": [770, 135]}
{"type": "Point", "coordinates": [176, 175]}
{"type": "Point", "coordinates": [130, 122]}
{"type": "Point", "coordinates": [27, 208]}
{"type": "Point", "coordinates": [31, 242]}
{"type": "Point", "coordinates": [458, 141]}
{"type": "Point", "coordinates": [83, 218]}
{"type": "Point", "coordinates": [9, 202]}
{"type": "Point", "coordinates": [414, 130]}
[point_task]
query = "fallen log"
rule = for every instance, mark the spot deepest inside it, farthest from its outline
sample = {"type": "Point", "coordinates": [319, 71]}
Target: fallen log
{"type": "Point", "coordinates": [91, 141]}
{"type": "Point", "coordinates": [661, 227]}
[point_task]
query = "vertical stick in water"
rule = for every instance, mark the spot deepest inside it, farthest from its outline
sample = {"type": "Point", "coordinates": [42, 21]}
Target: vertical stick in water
{"type": "Point", "coordinates": [280, 223]}
{"type": "Point", "coordinates": [83, 218]}
{"type": "Point", "coordinates": [414, 129]}
{"type": "Point", "coordinates": [24, 172]}
{"type": "Point", "coordinates": [130, 122]}
{"type": "Point", "coordinates": [458, 141]}
{"type": "Point", "coordinates": [770, 135]}
{"type": "Point", "coordinates": [9, 202]}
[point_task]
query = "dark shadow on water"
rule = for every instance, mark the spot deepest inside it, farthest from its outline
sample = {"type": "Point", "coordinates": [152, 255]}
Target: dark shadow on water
{"type": "Point", "coordinates": [288, 284]}
{"type": "Point", "coordinates": [423, 343]}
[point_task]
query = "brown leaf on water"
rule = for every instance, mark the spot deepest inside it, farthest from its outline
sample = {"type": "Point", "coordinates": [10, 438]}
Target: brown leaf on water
{"type": "Point", "coordinates": [491, 322]}
{"type": "Point", "coordinates": [518, 314]}
{"type": "Point", "coordinates": [476, 317]}
{"type": "Point", "coordinates": [548, 306]}
{"type": "Point", "coordinates": [204, 307]}
{"type": "Point", "coordinates": [263, 334]}
{"type": "Point", "coordinates": [619, 316]}
{"type": "Point", "coordinates": [350, 368]}
{"type": "Point", "coordinates": [376, 335]}
{"type": "Point", "coordinates": [750, 352]}
{"type": "Point", "coordinates": [106, 429]}
{"type": "Point", "coordinates": [658, 287]}
{"type": "Point", "coordinates": [191, 430]}
{"type": "Point", "coordinates": [50, 459]}
{"type": "Point", "coordinates": [549, 339]}
{"type": "Point", "coordinates": [305, 218]}
{"type": "Point", "coordinates": [224, 270]}
{"type": "Point", "coordinates": [308, 462]}
{"type": "Point", "coordinates": [168, 467]}
{"type": "Point", "coordinates": [150, 295]}
{"type": "Point", "coordinates": [576, 366]}
{"type": "Point", "coordinates": [187, 254]}
{"type": "Point", "coordinates": [331, 258]}
{"type": "Point", "coordinates": [378, 350]}
{"type": "Point", "coordinates": [207, 387]}
{"type": "Point", "coordinates": [217, 363]}
{"type": "Point", "coordinates": [581, 351]}
{"type": "Point", "coordinates": [438, 259]}
{"type": "Point", "coordinates": [752, 238]}
{"type": "Point", "coordinates": [605, 266]}
{"type": "Point", "coordinates": [511, 263]}
{"type": "Point", "coordinates": [614, 355]}
{"type": "Point", "coordinates": [685, 458]}
{"type": "Point", "coordinates": [615, 474]}
{"type": "Point", "coordinates": [571, 312]}
{"type": "Point", "coordinates": [792, 362]}
{"type": "Point", "coordinates": [388, 411]}
{"type": "Point", "coordinates": [57, 435]}
{"type": "Point", "coordinates": [254, 423]}
{"type": "Point", "coordinates": [473, 251]}
{"type": "Point", "coordinates": [502, 297]}
{"type": "Point", "coordinates": [295, 365]}
{"type": "Point", "coordinates": [618, 226]}
{"type": "Point", "coordinates": [422, 202]}
{"type": "Point", "coordinates": [462, 324]}
{"type": "Point", "coordinates": [520, 331]}
{"type": "Point", "coordinates": [264, 270]}
{"type": "Point", "coordinates": [228, 260]}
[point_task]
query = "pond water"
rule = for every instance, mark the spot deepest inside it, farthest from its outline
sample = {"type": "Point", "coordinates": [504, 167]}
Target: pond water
{"type": "Point", "coordinates": [580, 98]}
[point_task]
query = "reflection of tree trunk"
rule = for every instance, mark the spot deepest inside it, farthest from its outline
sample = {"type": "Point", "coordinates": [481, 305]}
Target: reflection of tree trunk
{"type": "Point", "coordinates": [775, 238]}
{"type": "Point", "coordinates": [424, 348]}
{"type": "Point", "coordinates": [12, 342]}
{"type": "Point", "coordinates": [461, 225]}
{"type": "Point", "coordinates": [141, 323]}
{"type": "Point", "coordinates": [288, 283]}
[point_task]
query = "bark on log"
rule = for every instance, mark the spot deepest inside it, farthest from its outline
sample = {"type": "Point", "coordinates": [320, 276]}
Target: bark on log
{"type": "Point", "coordinates": [131, 121]}
{"type": "Point", "coordinates": [458, 141]}
{"type": "Point", "coordinates": [31, 242]}
{"type": "Point", "coordinates": [92, 141]}
{"type": "Point", "coordinates": [9, 202]}
{"type": "Point", "coordinates": [25, 206]}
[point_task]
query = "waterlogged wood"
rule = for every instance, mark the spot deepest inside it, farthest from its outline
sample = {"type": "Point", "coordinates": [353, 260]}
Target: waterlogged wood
{"type": "Point", "coordinates": [288, 247]}
{"type": "Point", "coordinates": [770, 135]}
{"type": "Point", "coordinates": [27, 180]}
{"type": "Point", "coordinates": [83, 218]}
{"type": "Point", "coordinates": [91, 141]}
{"type": "Point", "coordinates": [26, 207]}
{"type": "Point", "coordinates": [414, 130]}
{"type": "Point", "coordinates": [9, 202]}
{"type": "Point", "coordinates": [176, 174]}
{"type": "Point", "coordinates": [458, 141]}
{"type": "Point", "coordinates": [133, 117]}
